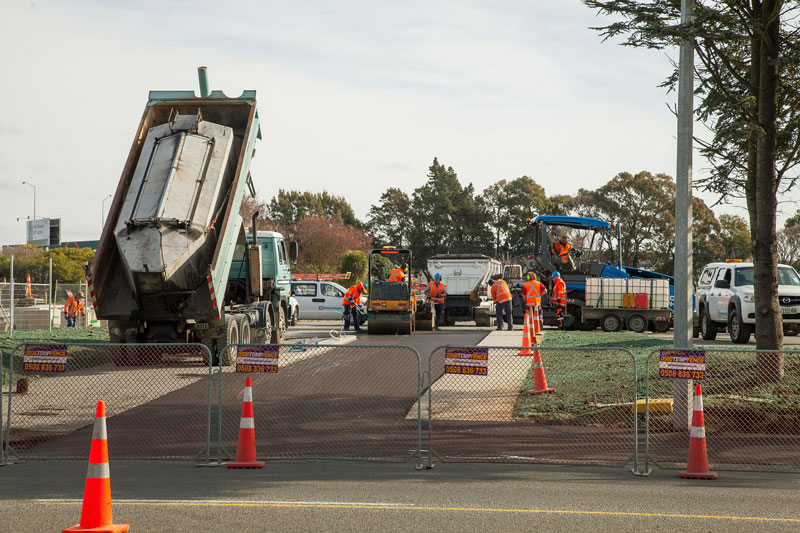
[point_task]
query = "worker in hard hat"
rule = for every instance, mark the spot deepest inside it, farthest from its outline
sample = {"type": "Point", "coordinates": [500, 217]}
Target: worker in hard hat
{"type": "Point", "coordinates": [74, 306]}
{"type": "Point", "coordinates": [559, 297]}
{"type": "Point", "coordinates": [350, 302]}
{"type": "Point", "coordinates": [532, 293]}
{"type": "Point", "coordinates": [398, 275]}
{"type": "Point", "coordinates": [501, 295]}
{"type": "Point", "coordinates": [436, 294]}
{"type": "Point", "coordinates": [561, 250]}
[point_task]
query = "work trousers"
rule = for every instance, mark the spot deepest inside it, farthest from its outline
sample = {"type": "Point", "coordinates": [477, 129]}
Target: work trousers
{"type": "Point", "coordinates": [351, 310]}
{"type": "Point", "coordinates": [439, 308]}
{"type": "Point", "coordinates": [507, 309]}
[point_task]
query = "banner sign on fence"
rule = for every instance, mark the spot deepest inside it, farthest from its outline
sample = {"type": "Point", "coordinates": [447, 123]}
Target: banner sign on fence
{"type": "Point", "coordinates": [469, 361]}
{"type": "Point", "coordinates": [44, 358]}
{"type": "Point", "coordinates": [682, 364]}
{"type": "Point", "coordinates": [257, 359]}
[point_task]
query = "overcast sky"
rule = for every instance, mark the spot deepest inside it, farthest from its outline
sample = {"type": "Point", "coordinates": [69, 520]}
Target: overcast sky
{"type": "Point", "coordinates": [354, 95]}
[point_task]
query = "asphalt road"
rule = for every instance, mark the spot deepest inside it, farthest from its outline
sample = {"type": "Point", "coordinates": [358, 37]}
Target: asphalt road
{"type": "Point", "coordinates": [379, 497]}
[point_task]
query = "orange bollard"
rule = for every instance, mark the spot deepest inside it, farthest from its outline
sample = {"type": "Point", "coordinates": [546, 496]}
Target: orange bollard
{"type": "Point", "coordinates": [246, 448]}
{"type": "Point", "coordinates": [539, 379]}
{"type": "Point", "coordinates": [96, 509]}
{"type": "Point", "coordinates": [526, 337]}
{"type": "Point", "coordinates": [697, 464]}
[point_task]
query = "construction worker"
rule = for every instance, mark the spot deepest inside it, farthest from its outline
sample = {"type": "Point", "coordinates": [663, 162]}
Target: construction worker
{"type": "Point", "coordinates": [501, 295]}
{"type": "Point", "coordinates": [350, 302]}
{"type": "Point", "coordinates": [397, 275]}
{"type": "Point", "coordinates": [436, 293]}
{"type": "Point", "coordinates": [559, 297]}
{"type": "Point", "coordinates": [532, 293]}
{"type": "Point", "coordinates": [561, 249]}
{"type": "Point", "coordinates": [74, 306]}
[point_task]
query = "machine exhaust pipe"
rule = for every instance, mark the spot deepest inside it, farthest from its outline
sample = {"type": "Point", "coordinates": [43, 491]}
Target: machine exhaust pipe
{"type": "Point", "coordinates": [202, 74]}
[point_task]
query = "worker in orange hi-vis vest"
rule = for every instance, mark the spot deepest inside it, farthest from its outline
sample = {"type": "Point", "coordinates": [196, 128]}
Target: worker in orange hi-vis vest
{"type": "Point", "coordinates": [501, 295]}
{"type": "Point", "coordinates": [561, 249]}
{"type": "Point", "coordinates": [74, 306]}
{"type": "Point", "coordinates": [532, 293]}
{"type": "Point", "coordinates": [397, 275]}
{"type": "Point", "coordinates": [350, 303]}
{"type": "Point", "coordinates": [559, 297]}
{"type": "Point", "coordinates": [437, 293]}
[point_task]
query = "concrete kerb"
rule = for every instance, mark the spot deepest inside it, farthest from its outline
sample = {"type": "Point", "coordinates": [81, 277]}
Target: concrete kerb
{"type": "Point", "coordinates": [428, 390]}
{"type": "Point", "coordinates": [143, 397]}
{"type": "Point", "coordinates": [305, 351]}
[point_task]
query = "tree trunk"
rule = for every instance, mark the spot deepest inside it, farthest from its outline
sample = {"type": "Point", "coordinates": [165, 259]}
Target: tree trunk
{"type": "Point", "coordinates": [769, 324]}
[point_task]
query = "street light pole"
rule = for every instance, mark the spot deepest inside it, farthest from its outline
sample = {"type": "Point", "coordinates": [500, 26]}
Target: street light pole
{"type": "Point", "coordinates": [103, 212]}
{"type": "Point", "coordinates": [34, 197]}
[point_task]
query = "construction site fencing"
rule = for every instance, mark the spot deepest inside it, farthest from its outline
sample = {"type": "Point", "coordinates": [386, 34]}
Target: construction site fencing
{"type": "Point", "coordinates": [481, 405]}
{"type": "Point", "coordinates": [751, 403]}
{"type": "Point", "coordinates": [156, 395]}
{"type": "Point", "coordinates": [351, 402]}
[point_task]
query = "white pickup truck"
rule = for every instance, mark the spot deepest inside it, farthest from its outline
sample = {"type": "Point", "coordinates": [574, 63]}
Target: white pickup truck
{"type": "Point", "coordinates": [465, 276]}
{"type": "Point", "coordinates": [725, 299]}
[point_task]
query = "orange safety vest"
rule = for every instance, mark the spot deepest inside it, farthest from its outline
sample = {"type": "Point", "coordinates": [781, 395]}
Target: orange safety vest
{"type": "Point", "coordinates": [352, 296]}
{"type": "Point", "coordinates": [73, 307]}
{"type": "Point", "coordinates": [559, 292]}
{"type": "Point", "coordinates": [562, 251]}
{"type": "Point", "coordinates": [396, 275]}
{"type": "Point", "coordinates": [533, 292]}
{"type": "Point", "coordinates": [500, 292]}
{"type": "Point", "coordinates": [437, 291]}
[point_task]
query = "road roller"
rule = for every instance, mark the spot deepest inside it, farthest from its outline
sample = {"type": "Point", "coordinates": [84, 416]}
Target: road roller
{"type": "Point", "coordinates": [391, 304]}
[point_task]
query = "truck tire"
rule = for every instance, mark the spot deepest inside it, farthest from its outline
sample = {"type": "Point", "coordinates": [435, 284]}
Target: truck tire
{"type": "Point", "coordinates": [737, 329]}
{"type": "Point", "coordinates": [708, 328]}
{"type": "Point", "coordinates": [276, 337]}
{"type": "Point", "coordinates": [636, 323]}
{"type": "Point", "coordinates": [611, 323]}
{"type": "Point", "coordinates": [231, 337]}
{"type": "Point", "coordinates": [243, 323]}
{"type": "Point", "coordinates": [660, 326]}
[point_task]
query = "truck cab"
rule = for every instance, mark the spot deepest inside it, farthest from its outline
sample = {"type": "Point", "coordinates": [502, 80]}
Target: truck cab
{"type": "Point", "coordinates": [276, 275]}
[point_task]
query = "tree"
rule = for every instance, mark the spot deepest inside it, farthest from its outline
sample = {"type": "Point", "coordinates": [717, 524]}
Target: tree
{"type": "Point", "coordinates": [748, 87]}
{"type": "Point", "coordinates": [506, 206]}
{"type": "Point", "coordinates": [734, 235]}
{"type": "Point", "coordinates": [789, 246]}
{"type": "Point", "coordinates": [323, 242]}
{"type": "Point", "coordinates": [355, 262]}
{"type": "Point", "coordinates": [388, 221]}
{"type": "Point", "coordinates": [291, 207]}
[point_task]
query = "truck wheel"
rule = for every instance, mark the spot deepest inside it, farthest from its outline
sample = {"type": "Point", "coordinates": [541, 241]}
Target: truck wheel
{"type": "Point", "coordinates": [276, 337]}
{"type": "Point", "coordinates": [708, 328]}
{"type": "Point", "coordinates": [660, 326]}
{"type": "Point", "coordinates": [636, 323]}
{"type": "Point", "coordinates": [610, 323]}
{"type": "Point", "coordinates": [737, 329]}
{"type": "Point", "coordinates": [231, 337]}
{"type": "Point", "coordinates": [243, 324]}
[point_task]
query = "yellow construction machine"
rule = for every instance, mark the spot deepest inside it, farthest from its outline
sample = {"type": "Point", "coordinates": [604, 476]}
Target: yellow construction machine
{"type": "Point", "coordinates": [391, 305]}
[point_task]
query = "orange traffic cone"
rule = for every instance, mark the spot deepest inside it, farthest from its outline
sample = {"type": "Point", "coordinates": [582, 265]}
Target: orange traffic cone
{"type": "Point", "coordinates": [246, 449]}
{"type": "Point", "coordinates": [537, 326]}
{"type": "Point", "coordinates": [526, 337]}
{"type": "Point", "coordinates": [539, 379]}
{"type": "Point", "coordinates": [96, 509]}
{"type": "Point", "coordinates": [28, 289]}
{"type": "Point", "coordinates": [697, 464]}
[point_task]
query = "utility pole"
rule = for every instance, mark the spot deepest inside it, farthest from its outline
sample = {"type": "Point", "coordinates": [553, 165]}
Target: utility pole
{"type": "Point", "coordinates": [682, 340]}
{"type": "Point", "coordinates": [34, 197]}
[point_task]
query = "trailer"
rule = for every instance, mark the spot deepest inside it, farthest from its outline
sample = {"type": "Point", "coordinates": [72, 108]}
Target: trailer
{"type": "Point", "coordinates": [174, 263]}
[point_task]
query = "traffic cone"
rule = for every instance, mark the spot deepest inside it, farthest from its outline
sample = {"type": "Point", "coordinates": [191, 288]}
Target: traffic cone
{"type": "Point", "coordinates": [28, 289]}
{"type": "Point", "coordinates": [246, 449]}
{"type": "Point", "coordinates": [697, 464]}
{"type": "Point", "coordinates": [96, 509]}
{"type": "Point", "coordinates": [526, 337]}
{"type": "Point", "coordinates": [539, 379]}
{"type": "Point", "coordinates": [537, 326]}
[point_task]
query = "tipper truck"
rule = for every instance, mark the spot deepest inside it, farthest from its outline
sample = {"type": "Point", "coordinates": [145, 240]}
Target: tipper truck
{"type": "Point", "coordinates": [174, 262]}
{"type": "Point", "coordinates": [465, 276]}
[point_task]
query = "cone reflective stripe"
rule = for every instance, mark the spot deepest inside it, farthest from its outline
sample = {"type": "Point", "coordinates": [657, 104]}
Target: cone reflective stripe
{"type": "Point", "coordinates": [537, 326]}
{"type": "Point", "coordinates": [526, 337]}
{"type": "Point", "coordinates": [28, 289]}
{"type": "Point", "coordinates": [96, 512]}
{"type": "Point", "coordinates": [697, 464]}
{"type": "Point", "coordinates": [539, 379]}
{"type": "Point", "coordinates": [246, 448]}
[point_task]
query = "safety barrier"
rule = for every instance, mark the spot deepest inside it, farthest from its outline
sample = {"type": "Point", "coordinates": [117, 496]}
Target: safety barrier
{"type": "Point", "coordinates": [482, 404]}
{"type": "Point", "coordinates": [356, 402]}
{"type": "Point", "coordinates": [157, 395]}
{"type": "Point", "coordinates": [752, 414]}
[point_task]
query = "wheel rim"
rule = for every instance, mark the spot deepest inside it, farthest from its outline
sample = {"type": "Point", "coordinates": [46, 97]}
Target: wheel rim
{"type": "Point", "coordinates": [611, 322]}
{"type": "Point", "coordinates": [734, 324]}
{"type": "Point", "coordinates": [704, 324]}
{"type": "Point", "coordinates": [638, 324]}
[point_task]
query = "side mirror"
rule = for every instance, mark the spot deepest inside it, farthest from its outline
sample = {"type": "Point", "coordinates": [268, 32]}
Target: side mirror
{"type": "Point", "coordinates": [293, 252]}
{"type": "Point", "coordinates": [722, 284]}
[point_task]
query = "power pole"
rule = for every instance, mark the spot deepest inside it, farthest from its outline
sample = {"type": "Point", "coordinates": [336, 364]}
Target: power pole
{"type": "Point", "coordinates": [682, 388]}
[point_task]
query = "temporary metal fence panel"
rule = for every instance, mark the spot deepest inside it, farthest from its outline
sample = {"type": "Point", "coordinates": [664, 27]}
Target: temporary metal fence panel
{"type": "Point", "coordinates": [32, 307]}
{"type": "Point", "coordinates": [491, 415]}
{"type": "Point", "coordinates": [751, 411]}
{"type": "Point", "coordinates": [157, 398]}
{"type": "Point", "coordinates": [3, 398]}
{"type": "Point", "coordinates": [352, 402]}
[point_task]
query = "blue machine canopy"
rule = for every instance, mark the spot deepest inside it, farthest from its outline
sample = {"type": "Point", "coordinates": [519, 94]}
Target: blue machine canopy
{"type": "Point", "coordinates": [573, 222]}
